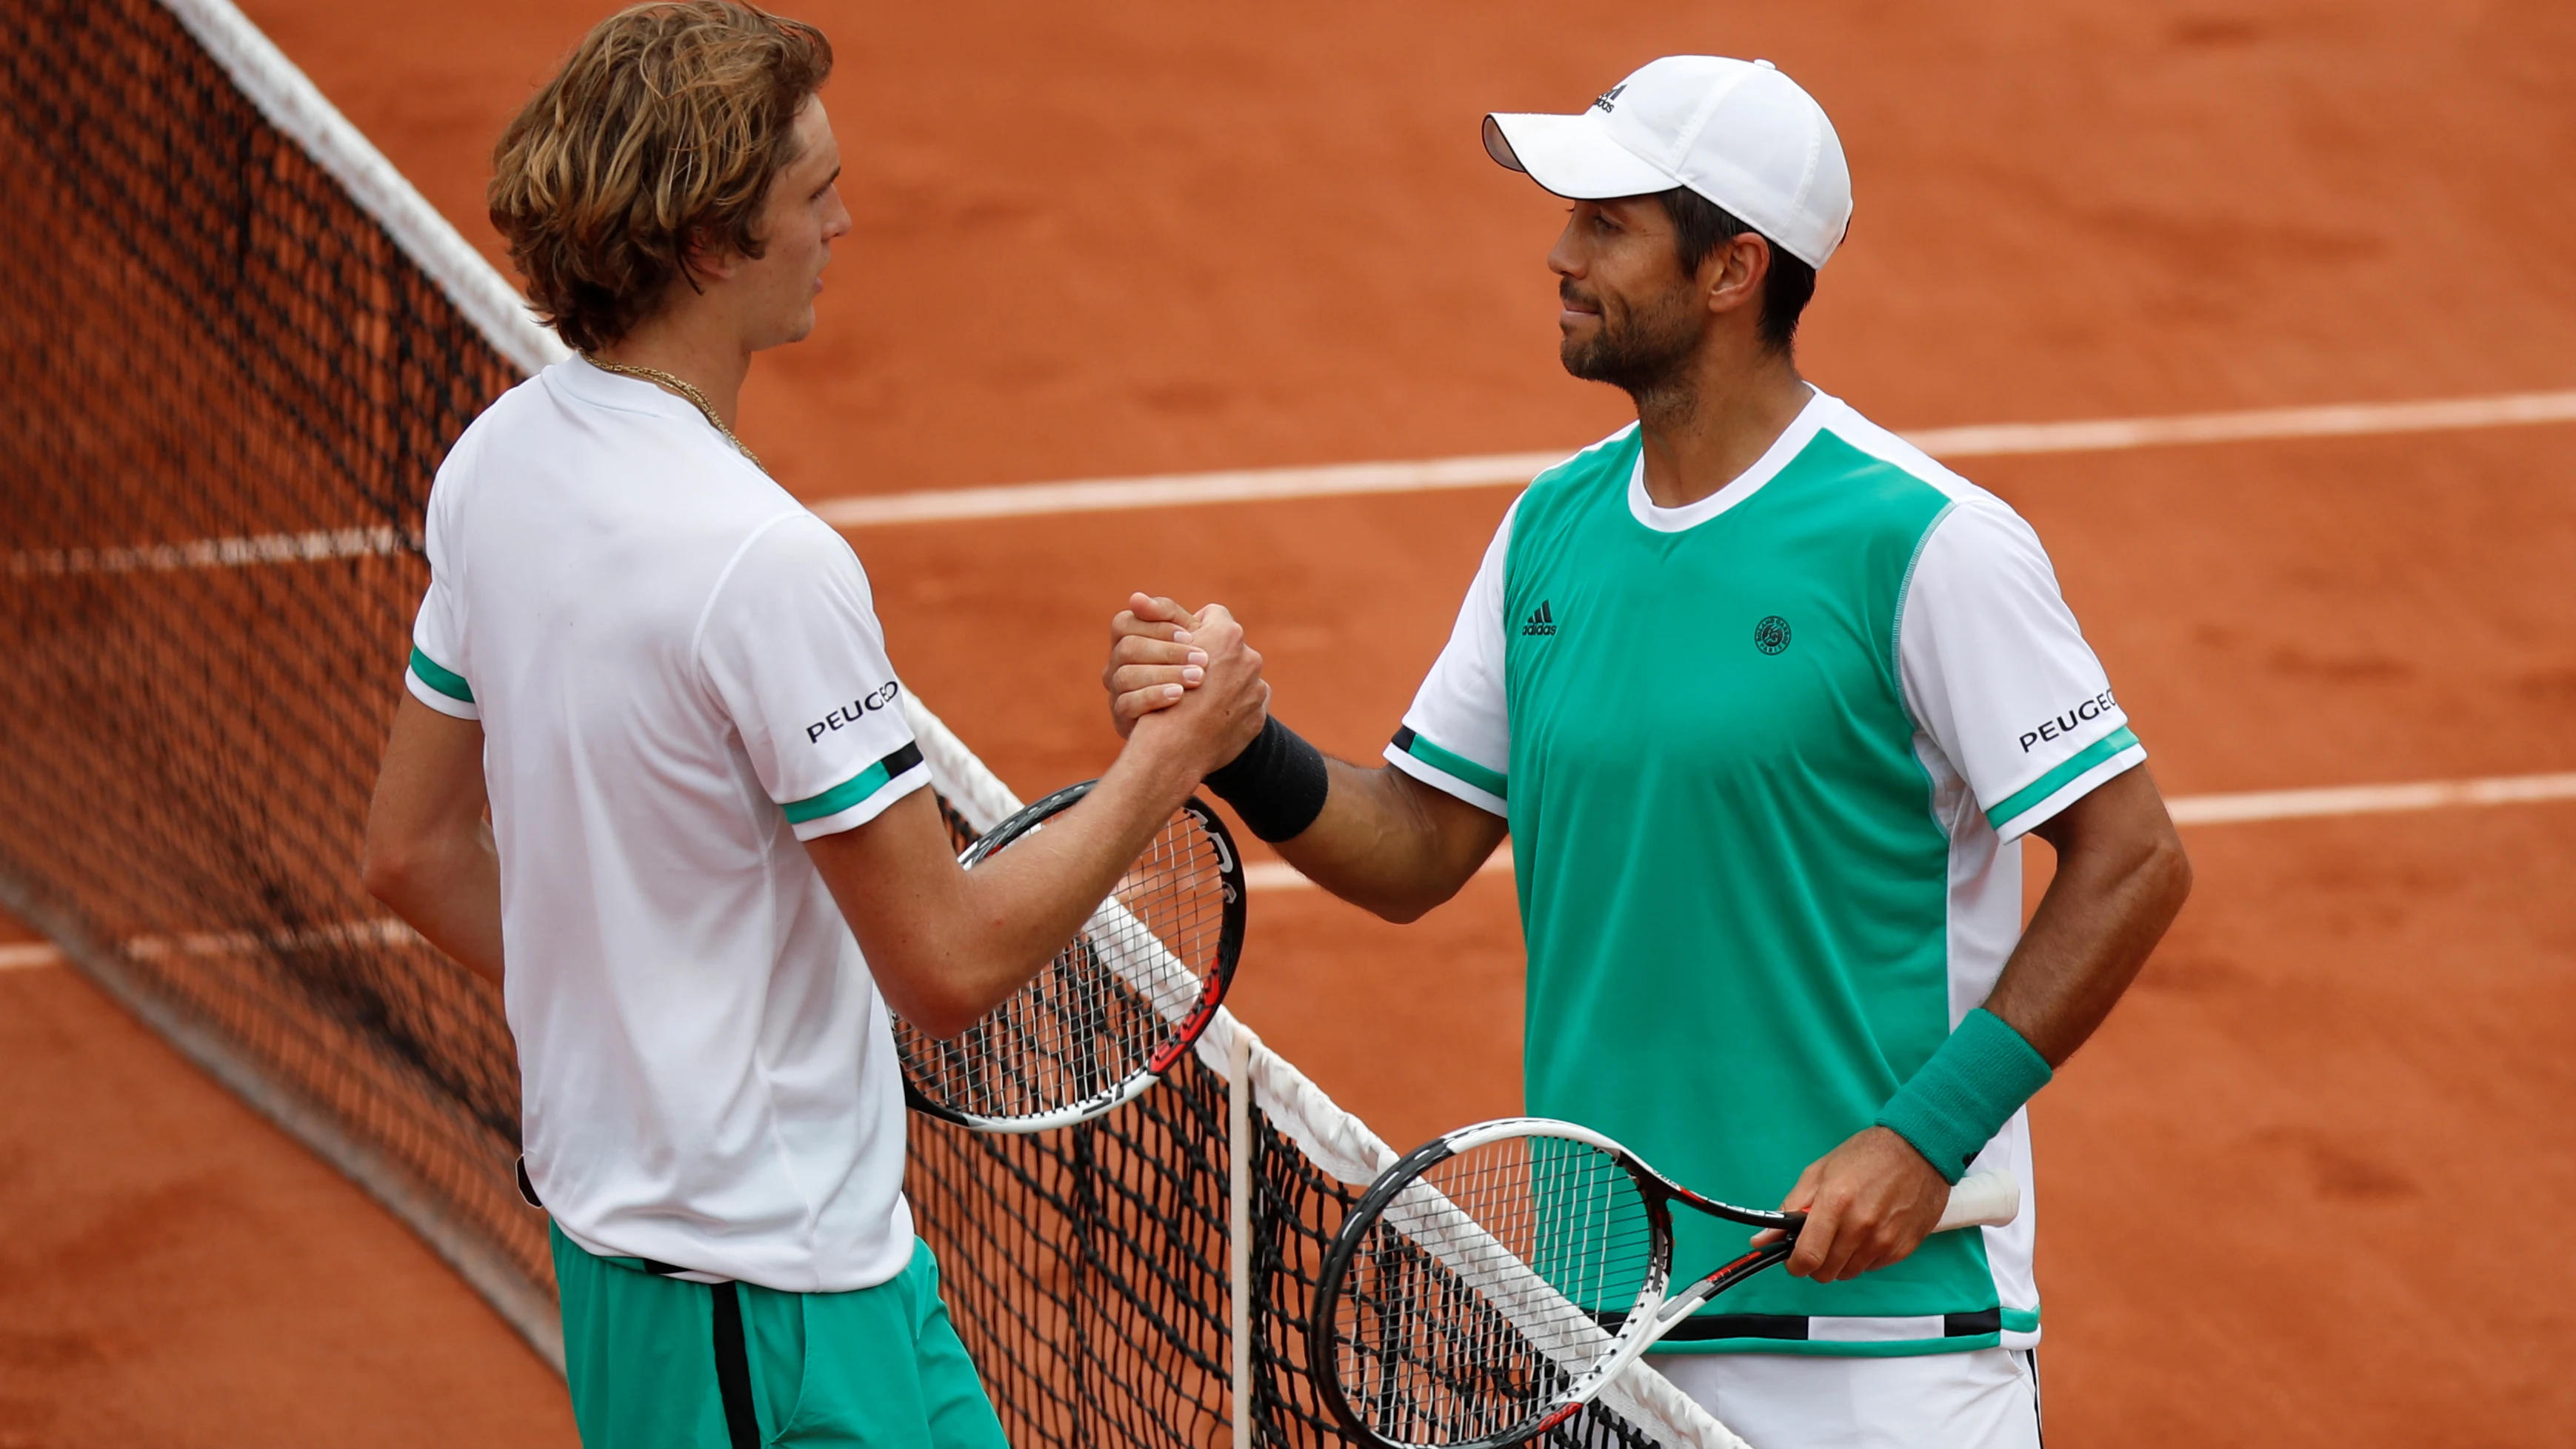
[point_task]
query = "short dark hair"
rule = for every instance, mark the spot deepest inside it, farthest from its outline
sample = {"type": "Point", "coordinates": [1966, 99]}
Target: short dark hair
{"type": "Point", "coordinates": [1699, 224]}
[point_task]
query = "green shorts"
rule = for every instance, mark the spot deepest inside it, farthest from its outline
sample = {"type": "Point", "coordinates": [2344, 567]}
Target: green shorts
{"type": "Point", "coordinates": [658, 1363]}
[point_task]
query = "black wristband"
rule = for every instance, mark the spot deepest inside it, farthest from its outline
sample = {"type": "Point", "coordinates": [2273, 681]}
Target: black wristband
{"type": "Point", "coordinates": [1277, 784]}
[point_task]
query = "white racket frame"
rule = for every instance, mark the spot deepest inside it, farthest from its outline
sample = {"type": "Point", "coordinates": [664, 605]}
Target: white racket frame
{"type": "Point", "coordinates": [1543, 1315]}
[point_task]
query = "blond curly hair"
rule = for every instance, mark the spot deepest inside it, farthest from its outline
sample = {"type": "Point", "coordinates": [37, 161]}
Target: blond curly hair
{"type": "Point", "coordinates": [659, 137]}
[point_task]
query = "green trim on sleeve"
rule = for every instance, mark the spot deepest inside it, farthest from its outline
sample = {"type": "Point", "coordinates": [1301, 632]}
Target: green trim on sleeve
{"type": "Point", "coordinates": [853, 790]}
{"type": "Point", "coordinates": [439, 677]}
{"type": "Point", "coordinates": [1956, 1103]}
{"type": "Point", "coordinates": [2055, 780]}
{"type": "Point", "coordinates": [1459, 766]}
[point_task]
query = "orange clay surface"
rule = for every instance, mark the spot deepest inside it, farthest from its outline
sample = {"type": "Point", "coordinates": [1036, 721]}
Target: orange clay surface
{"type": "Point", "coordinates": [2312, 1184]}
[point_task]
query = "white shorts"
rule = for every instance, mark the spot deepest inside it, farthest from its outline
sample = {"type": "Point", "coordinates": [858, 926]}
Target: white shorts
{"type": "Point", "coordinates": [1984, 1399]}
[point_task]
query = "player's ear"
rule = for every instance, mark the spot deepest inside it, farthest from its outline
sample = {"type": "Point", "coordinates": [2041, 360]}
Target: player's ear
{"type": "Point", "coordinates": [705, 258]}
{"type": "Point", "coordinates": [1733, 273]}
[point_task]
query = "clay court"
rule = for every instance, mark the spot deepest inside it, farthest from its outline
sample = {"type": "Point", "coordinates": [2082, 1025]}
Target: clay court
{"type": "Point", "coordinates": [2310, 1186]}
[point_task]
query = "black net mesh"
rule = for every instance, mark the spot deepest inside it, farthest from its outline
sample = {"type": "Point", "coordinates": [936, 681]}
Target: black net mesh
{"type": "Point", "coordinates": [226, 391]}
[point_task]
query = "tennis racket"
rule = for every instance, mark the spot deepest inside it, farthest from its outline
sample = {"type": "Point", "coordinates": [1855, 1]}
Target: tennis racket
{"type": "Point", "coordinates": [1116, 1007]}
{"type": "Point", "coordinates": [1494, 1281]}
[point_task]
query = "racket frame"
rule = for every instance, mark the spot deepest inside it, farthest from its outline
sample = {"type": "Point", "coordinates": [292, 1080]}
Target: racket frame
{"type": "Point", "coordinates": [1983, 1199]}
{"type": "Point", "coordinates": [1186, 1030]}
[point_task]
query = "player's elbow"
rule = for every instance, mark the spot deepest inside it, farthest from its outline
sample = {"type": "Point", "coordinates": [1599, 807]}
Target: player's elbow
{"type": "Point", "coordinates": [927, 994]}
{"type": "Point", "coordinates": [945, 1021]}
{"type": "Point", "coordinates": [1398, 902]}
{"type": "Point", "coordinates": [390, 869]}
{"type": "Point", "coordinates": [1401, 910]}
{"type": "Point", "coordinates": [2154, 878]}
{"type": "Point", "coordinates": [2168, 872]}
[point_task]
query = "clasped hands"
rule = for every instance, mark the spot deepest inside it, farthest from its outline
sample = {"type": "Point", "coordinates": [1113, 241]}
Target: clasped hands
{"type": "Point", "coordinates": [1159, 652]}
{"type": "Point", "coordinates": [1187, 671]}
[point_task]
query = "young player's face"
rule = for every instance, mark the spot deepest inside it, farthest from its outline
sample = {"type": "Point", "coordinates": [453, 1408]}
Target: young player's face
{"type": "Point", "coordinates": [800, 220]}
{"type": "Point", "coordinates": [1628, 314]}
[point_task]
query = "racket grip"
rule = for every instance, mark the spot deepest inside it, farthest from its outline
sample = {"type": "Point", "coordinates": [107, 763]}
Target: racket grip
{"type": "Point", "coordinates": [1986, 1199]}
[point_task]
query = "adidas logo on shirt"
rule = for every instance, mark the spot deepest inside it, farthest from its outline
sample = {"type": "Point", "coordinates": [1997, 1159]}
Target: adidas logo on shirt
{"type": "Point", "coordinates": [1542, 624]}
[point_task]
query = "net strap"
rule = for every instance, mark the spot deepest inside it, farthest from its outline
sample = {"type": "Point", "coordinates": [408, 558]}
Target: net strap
{"type": "Point", "coordinates": [1333, 1139]}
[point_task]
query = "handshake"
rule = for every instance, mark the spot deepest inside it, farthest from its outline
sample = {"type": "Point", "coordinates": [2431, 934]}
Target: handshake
{"type": "Point", "coordinates": [1184, 683]}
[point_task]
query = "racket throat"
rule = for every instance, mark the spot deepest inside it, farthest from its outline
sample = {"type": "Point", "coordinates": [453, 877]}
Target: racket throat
{"type": "Point", "coordinates": [1681, 1305]}
{"type": "Point", "coordinates": [1678, 1308]}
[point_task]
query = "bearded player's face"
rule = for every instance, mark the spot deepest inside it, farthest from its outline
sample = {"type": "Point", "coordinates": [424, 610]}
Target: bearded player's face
{"type": "Point", "coordinates": [1629, 315]}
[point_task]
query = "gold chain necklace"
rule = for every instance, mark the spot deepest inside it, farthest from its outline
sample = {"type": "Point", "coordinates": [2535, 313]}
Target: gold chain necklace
{"type": "Point", "coordinates": [685, 390]}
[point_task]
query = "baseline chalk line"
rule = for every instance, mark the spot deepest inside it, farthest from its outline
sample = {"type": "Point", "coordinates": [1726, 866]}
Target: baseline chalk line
{"type": "Point", "coordinates": [1257, 485]}
{"type": "Point", "coordinates": [213, 553]}
{"type": "Point", "coordinates": [29, 955]}
{"type": "Point", "coordinates": [383, 931]}
{"type": "Point", "coordinates": [2370, 799]}
{"type": "Point", "coordinates": [2228, 809]}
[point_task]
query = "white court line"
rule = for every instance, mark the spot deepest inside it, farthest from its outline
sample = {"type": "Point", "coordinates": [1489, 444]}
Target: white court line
{"type": "Point", "coordinates": [1254, 485]}
{"type": "Point", "coordinates": [2370, 799]}
{"type": "Point", "coordinates": [26, 956]}
{"type": "Point", "coordinates": [380, 931]}
{"type": "Point", "coordinates": [213, 553]}
{"type": "Point", "coordinates": [29, 955]}
{"type": "Point", "coordinates": [2197, 810]}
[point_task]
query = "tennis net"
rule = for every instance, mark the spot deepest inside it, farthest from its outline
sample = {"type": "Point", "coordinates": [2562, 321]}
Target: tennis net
{"type": "Point", "coordinates": [227, 398]}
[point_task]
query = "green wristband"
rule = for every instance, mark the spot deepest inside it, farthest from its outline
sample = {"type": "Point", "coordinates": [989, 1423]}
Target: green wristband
{"type": "Point", "coordinates": [1966, 1093]}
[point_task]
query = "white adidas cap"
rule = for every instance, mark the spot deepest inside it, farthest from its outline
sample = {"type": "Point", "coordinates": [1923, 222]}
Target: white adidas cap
{"type": "Point", "coordinates": [1737, 132]}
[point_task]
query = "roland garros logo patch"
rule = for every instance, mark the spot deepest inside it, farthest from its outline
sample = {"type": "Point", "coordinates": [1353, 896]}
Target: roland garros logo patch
{"type": "Point", "coordinates": [1771, 635]}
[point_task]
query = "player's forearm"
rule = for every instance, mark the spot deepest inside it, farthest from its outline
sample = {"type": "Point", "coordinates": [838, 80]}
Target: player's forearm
{"type": "Point", "coordinates": [947, 946]}
{"type": "Point", "coordinates": [446, 886]}
{"type": "Point", "coordinates": [1026, 902]}
{"type": "Point", "coordinates": [2121, 879]}
{"type": "Point", "coordinates": [1384, 847]}
{"type": "Point", "coordinates": [429, 850]}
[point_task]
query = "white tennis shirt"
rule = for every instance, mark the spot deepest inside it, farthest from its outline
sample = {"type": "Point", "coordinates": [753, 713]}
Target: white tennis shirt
{"type": "Point", "coordinates": [679, 674]}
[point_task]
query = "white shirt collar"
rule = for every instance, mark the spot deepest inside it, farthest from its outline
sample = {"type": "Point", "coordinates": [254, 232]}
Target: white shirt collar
{"type": "Point", "coordinates": [578, 379]}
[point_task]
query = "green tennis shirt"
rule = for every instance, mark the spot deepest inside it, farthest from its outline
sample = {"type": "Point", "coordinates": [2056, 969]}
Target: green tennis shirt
{"type": "Point", "coordinates": [1761, 757]}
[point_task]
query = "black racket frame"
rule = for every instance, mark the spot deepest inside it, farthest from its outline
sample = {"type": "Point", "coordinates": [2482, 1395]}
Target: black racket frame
{"type": "Point", "coordinates": [1212, 987]}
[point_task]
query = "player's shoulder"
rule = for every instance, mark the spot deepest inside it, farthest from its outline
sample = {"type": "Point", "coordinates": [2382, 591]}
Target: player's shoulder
{"type": "Point", "coordinates": [1891, 453]}
{"type": "Point", "coordinates": [1604, 464]}
{"type": "Point", "coordinates": [1562, 493]}
{"type": "Point", "coordinates": [781, 532]}
{"type": "Point", "coordinates": [1962, 513]}
{"type": "Point", "coordinates": [786, 556]}
{"type": "Point", "coordinates": [506, 416]}
{"type": "Point", "coordinates": [527, 407]}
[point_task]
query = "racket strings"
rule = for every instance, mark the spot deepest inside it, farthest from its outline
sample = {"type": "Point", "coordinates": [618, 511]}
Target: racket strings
{"type": "Point", "coordinates": [1480, 1295]}
{"type": "Point", "coordinates": [1097, 1014]}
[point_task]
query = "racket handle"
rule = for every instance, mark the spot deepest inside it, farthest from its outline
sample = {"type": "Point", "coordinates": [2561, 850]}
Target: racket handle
{"type": "Point", "coordinates": [1986, 1199]}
